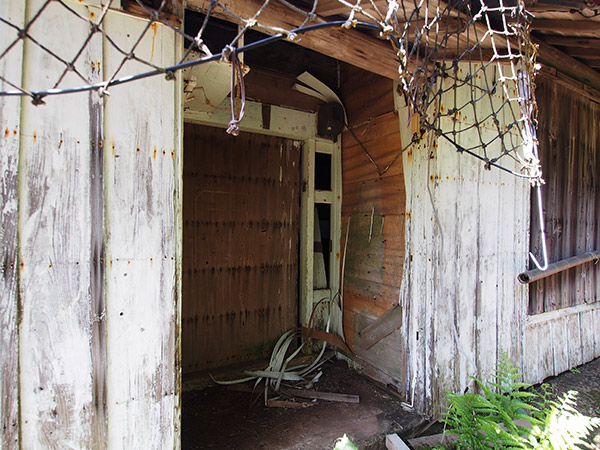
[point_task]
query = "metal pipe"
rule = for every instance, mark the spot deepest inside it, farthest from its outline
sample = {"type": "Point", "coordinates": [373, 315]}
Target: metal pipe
{"type": "Point", "coordinates": [557, 267]}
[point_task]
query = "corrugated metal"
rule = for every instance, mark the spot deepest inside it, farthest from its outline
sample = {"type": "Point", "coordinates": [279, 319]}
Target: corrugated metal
{"type": "Point", "coordinates": [569, 143]}
{"type": "Point", "coordinates": [240, 260]}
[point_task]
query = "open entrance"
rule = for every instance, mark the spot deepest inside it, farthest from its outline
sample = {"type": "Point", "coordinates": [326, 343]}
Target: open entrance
{"type": "Point", "coordinates": [240, 254]}
{"type": "Point", "coordinates": [262, 254]}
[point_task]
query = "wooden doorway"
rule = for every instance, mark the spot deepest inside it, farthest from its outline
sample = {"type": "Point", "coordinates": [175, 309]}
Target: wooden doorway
{"type": "Point", "coordinates": [241, 218]}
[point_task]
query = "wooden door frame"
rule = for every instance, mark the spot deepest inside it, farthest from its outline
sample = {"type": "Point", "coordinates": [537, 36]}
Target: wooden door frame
{"type": "Point", "coordinates": [299, 126]}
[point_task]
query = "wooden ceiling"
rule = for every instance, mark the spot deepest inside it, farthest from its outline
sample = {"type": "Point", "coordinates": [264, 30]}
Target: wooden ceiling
{"type": "Point", "coordinates": [573, 27]}
{"type": "Point", "coordinates": [567, 32]}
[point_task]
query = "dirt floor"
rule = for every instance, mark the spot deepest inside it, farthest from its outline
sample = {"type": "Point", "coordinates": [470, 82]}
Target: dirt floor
{"type": "Point", "coordinates": [585, 380]}
{"type": "Point", "coordinates": [217, 417]}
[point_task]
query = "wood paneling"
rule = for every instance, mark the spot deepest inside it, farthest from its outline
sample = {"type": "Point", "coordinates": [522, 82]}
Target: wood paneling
{"type": "Point", "coordinates": [569, 145]}
{"type": "Point", "coordinates": [373, 212]}
{"type": "Point", "coordinates": [10, 115]}
{"type": "Point", "coordinates": [142, 158]}
{"type": "Point", "coordinates": [88, 201]}
{"type": "Point", "coordinates": [240, 260]}
{"type": "Point", "coordinates": [55, 362]}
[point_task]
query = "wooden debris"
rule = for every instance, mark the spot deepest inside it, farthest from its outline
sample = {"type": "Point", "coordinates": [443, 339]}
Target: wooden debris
{"type": "Point", "coordinates": [381, 328]}
{"type": "Point", "coordinates": [329, 396]}
{"type": "Point", "coordinates": [393, 442]}
{"type": "Point", "coordinates": [288, 404]}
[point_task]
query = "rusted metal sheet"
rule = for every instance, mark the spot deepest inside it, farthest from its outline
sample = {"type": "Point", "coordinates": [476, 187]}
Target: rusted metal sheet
{"type": "Point", "coordinates": [241, 254]}
{"type": "Point", "coordinates": [569, 143]}
{"type": "Point", "coordinates": [10, 112]}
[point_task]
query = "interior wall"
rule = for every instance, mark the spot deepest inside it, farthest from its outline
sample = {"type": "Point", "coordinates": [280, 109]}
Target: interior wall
{"type": "Point", "coordinates": [240, 251]}
{"type": "Point", "coordinates": [373, 218]}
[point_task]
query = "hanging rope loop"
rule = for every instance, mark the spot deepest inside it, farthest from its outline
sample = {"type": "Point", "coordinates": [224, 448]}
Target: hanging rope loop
{"type": "Point", "coordinates": [238, 94]}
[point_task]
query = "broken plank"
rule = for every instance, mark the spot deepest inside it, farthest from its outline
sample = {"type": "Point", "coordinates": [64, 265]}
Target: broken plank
{"type": "Point", "coordinates": [393, 442]}
{"type": "Point", "coordinates": [381, 328]}
{"type": "Point", "coordinates": [315, 395]}
{"type": "Point", "coordinates": [288, 404]}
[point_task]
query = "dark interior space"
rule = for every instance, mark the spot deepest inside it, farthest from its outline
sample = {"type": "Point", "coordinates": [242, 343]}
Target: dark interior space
{"type": "Point", "coordinates": [221, 417]}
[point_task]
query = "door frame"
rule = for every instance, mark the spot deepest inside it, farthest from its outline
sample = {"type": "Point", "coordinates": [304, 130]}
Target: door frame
{"type": "Point", "coordinates": [301, 127]}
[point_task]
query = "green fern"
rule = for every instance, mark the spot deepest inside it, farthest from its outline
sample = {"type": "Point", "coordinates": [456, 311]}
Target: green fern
{"type": "Point", "coordinates": [489, 420]}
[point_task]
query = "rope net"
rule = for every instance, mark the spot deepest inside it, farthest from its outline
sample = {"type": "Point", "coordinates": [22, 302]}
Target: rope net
{"type": "Point", "coordinates": [466, 67]}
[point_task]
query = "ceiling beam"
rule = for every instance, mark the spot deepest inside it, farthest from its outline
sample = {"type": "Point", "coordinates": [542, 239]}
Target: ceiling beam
{"type": "Point", "coordinates": [349, 46]}
{"type": "Point", "coordinates": [577, 52]}
{"type": "Point", "coordinates": [553, 57]}
{"type": "Point", "coordinates": [572, 42]}
{"type": "Point", "coordinates": [571, 27]}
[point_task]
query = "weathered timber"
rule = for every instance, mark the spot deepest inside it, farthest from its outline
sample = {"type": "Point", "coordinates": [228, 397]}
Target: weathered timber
{"type": "Point", "coordinates": [381, 328]}
{"type": "Point", "coordinates": [10, 112]}
{"type": "Point", "coordinates": [571, 194]}
{"type": "Point", "coordinates": [329, 396]}
{"type": "Point", "coordinates": [577, 70]}
{"type": "Point", "coordinates": [55, 363]}
{"type": "Point", "coordinates": [349, 46]}
{"type": "Point", "coordinates": [241, 232]}
{"type": "Point", "coordinates": [582, 28]}
{"type": "Point", "coordinates": [574, 42]}
{"type": "Point", "coordinates": [141, 150]}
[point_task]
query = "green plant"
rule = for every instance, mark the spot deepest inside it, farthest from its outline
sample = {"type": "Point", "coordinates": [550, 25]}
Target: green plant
{"type": "Point", "coordinates": [509, 415]}
{"type": "Point", "coordinates": [344, 443]}
{"type": "Point", "coordinates": [561, 425]}
{"type": "Point", "coordinates": [489, 420]}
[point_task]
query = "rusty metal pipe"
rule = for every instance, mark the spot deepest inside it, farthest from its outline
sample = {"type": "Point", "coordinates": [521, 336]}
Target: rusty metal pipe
{"type": "Point", "coordinates": [559, 266]}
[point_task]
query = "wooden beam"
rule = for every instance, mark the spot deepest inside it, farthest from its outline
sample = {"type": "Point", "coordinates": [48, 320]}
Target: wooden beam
{"type": "Point", "coordinates": [573, 42]}
{"type": "Point", "coordinates": [552, 57]}
{"type": "Point", "coordinates": [349, 46]}
{"type": "Point", "coordinates": [577, 52]}
{"type": "Point", "coordinates": [577, 27]}
{"type": "Point", "coordinates": [382, 327]}
{"type": "Point", "coordinates": [329, 396]}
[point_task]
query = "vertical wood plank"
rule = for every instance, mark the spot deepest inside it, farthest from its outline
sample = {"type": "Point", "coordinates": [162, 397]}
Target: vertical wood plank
{"type": "Point", "coordinates": [140, 147]}
{"type": "Point", "coordinates": [545, 344]}
{"type": "Point", "coordinates": [307, 219]}
{"type": "Point", "coordinates": [587, 328]}
{"type": "Point", "coordinates": [54, 217]}
{"type": "Point", "coordinates": [531, 358]}
{"type": "Point", "coordinates": [10, 127]}
{"type": "Point", "coordinates": [574, 340]}
{"type": "Point", "coordinates": [560, 345]}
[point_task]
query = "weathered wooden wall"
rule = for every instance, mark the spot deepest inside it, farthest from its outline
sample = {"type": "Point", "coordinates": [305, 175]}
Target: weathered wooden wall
{"type": "Point", "coordinates": [569, 144]}
{"type": "Point", "coordinates": [562, 329]}
{"type": "Point", "coordinates": [240, 255]}
{"type": "Point", "coordinates": [373, 214]}
{"type": "Point", "coordinates": [10, 114]}
{"type": "Point", "coordinates": [90, 201]}
{"type": "Point", "coordinates": [467, 239]}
